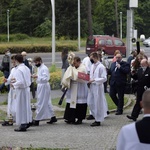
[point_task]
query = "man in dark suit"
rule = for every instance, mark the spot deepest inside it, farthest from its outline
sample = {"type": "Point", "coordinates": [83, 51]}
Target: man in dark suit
{"type": "Point", "coordinates": [118, 79]}
{"type": "Point", "coordinates": [137, 135]}
{"type": "Point", "coordinates": [143, 81]}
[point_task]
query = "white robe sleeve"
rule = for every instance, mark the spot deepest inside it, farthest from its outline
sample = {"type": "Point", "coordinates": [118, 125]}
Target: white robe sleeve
{"type": "Point", "coordinates": [101, 76]}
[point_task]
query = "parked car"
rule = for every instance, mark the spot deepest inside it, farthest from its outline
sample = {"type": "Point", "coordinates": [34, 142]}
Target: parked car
{"type": "Point", "coordinates": [147, 42]}
{"type": "Point", "coordinates": [105, 42]}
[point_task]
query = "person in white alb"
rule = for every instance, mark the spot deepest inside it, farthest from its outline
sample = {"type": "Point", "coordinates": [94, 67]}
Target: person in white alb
{"type": "Point", "coordinates": [11, 107]}
{"type": "Point", "coordinates": [21, 84]}
{"type": "Point", "coordinates": [96, 96]}
{"type": "Point", "coordinates": [136, 136]}
{"type": "Point", "coordinates": [44, 108]}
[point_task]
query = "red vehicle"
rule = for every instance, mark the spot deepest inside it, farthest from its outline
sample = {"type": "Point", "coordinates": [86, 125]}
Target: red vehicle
{"type": "Point", "coordinates": [107, 43]}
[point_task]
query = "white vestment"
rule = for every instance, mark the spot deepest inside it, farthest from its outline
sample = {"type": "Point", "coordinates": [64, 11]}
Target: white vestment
{"type": "Point", "coordinates": [44, 109]}
{"type": "Point", "coordinates": [129, 140]}
{"type": "Point", "coordinates": [96, 96]}
{"type": "Point", "coordinates": [23, 106]}
{"type": "Point", "coordinates": [86, 61]}
{"type": "Point", "coordinates": [77, 88]}
{"type": "Point", "coordinates": [11, 107]}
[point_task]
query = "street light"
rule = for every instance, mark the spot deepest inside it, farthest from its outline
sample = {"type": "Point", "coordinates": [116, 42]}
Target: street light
{"type": "Point", "coordinates": [8, 24]}
{"type": "Point", "coordinates": [79, 25]}
{"type": "Point", "coordinates": [53, 31]}
{"type": "Point", "coordinates": [121, 25]}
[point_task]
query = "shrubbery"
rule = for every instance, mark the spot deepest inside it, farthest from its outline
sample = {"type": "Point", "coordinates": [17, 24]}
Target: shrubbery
{"type": "Point", "coordinates": [36, 48]}
{"type": "Point", "coordinates": [13, 37]}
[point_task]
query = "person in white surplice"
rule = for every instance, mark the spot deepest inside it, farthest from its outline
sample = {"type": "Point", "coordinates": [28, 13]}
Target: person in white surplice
{"type": "Point", "coordinates": [136, 136]}
{"type": "Point", "coordinates": [96, 96]}
{"type": "Point", "coordinates": [21, 84]}
{"type": "Point", "coordinates": [11, 107]}
{"type": "Point", "coordinates": [76, 96]}
{"type": "Point", "coordinates": [44, 109]}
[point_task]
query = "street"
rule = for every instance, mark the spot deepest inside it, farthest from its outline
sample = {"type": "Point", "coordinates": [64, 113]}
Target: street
{"type": "Point", "coordinates": [47, 57]}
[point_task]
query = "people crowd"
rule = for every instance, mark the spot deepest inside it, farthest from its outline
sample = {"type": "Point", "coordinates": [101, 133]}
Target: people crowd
{"type": "Point", "coordinates": [83, 92]}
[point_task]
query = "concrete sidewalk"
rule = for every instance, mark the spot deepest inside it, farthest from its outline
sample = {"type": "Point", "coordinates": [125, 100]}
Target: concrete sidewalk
{"type": "Point", "coordinates": [62, 135]}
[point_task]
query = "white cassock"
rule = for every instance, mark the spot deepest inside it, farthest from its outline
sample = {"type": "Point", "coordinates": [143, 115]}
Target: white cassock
{"type": "Point", "coordinates": [23, 106]}
{"type": "Point", "coordinates": [129, 140]}
{"type": "Point", "coordinates": [86, 61]}
{"type": "Point", "coordinates": [11, 107]}
{"type": "Point", "coordinates": [44, 109]}
{"type": "Point", "coordinates": [96, 96]}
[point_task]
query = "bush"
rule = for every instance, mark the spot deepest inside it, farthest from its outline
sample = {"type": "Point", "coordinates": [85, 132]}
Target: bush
{"type": "Point", "coordinates": [13, 37]}
{"type": "Point", "coordinates": [55, 80]}
{"type": "Point", "coordinates": [36, 48]}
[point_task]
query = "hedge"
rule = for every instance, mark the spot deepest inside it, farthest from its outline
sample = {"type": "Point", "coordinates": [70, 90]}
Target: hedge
{"type": "Point", "coordinates": [55, 81]}
{"type": "Point", "coordinates": [36, 48]}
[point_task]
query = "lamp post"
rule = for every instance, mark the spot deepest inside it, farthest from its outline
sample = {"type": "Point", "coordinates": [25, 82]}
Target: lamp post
{"type": "Point", "coordinates": [53, 31]}
{"type": "Point", "coordinates": [121, 25]}
{"type": "Point", "coordinates": [8, 25]}
{"type": "Point", "coordinates": [79, 34]}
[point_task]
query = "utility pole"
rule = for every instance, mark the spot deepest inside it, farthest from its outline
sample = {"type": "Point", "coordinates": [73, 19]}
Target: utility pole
{"type": "Point", "coordinates": [8, 25]}
{"type": "Point", "coordinates": [120, 25]}
{"type": "Point", "coordinates": [79, 34]}
{"type": "Point", "coordinates": [53, 31]}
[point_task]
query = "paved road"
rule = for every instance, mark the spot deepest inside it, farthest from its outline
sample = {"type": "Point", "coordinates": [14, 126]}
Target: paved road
{"type": "Point", "coordinates": [62, 135]}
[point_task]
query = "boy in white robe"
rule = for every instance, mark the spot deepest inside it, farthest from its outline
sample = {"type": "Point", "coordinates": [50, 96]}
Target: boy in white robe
{"type": "Point", "coordinates": [44, 109]}
{"type": "Point", "coordinates": [21, 84]}
{"type": "Point", "coordinates": [11, 107]}
{"type": "Point", "coordinates": [136, 136]}
{"type": "Point", "coordinates": [96, 96]}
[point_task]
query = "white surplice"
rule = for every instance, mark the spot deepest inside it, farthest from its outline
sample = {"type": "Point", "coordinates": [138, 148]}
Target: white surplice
{"type": "Point", "coordinates": [78, 91]}
{"type": "Point", "coordinates": [129, 140]}
{"type": "Point", "coordinates": [23, 106]}
{"type": "Point", "coordinates": [96, 96]}
{"type": "Point", "coordinates": [86, 61]}
{"type": "Point", "coordinates": [11, 107]}
{"type": "Point", "coordinates": [44, 109]}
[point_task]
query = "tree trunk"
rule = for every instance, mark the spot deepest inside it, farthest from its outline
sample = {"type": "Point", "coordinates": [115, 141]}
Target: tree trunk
{"type": "Point", "coordinates": [116, 16]}
{"type": "Point", "coordinates": [90, 31]}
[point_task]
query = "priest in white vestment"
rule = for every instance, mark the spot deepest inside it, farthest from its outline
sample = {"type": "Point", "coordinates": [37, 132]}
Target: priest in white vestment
{"type": "Point", "coordinates": [77, 93]}
{"type": "Point", "coordinates": [44, 108]}
{"type": "Point", "coordinates": [136, 136]}
{"type": "Point", "coordinates": [96, 96]}
{"type": "Point", "coordinates": [21, 84]}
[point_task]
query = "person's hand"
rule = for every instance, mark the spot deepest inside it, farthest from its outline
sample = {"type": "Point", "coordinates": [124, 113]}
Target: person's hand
{"type": "Point", "coordinates": [91, 81]}
{"type": "Point", "coordinates": [5, 80]}
{"type": "Point", "coordinates": [118, 65]}
{"type": "Point", "coordinates": [13, 80]}
{"type": "Point", "coordinates": [34, 76]}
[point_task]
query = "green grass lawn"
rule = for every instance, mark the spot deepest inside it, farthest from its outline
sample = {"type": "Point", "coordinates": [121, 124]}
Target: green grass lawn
{"type": "Point", "coordinates": [55, 101]}
{"type": "Point", "coordinates": [42, 41]}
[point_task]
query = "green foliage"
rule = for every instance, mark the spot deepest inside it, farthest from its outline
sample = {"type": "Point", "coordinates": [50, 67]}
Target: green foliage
{"type": "Point", "coordinates": [35, 48]}
{"type": "Point", "coordinates": [13, 37]}
{"type": "Point", "coordinates": [43, 29]}
{"type": "Point", "coordinates": [55, 80]}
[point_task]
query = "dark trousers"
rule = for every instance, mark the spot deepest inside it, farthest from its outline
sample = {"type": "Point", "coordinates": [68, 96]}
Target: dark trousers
{"type": "Point", "coordinates": [72, 113]}
{"type": "Point", "coordinates": [137, 107]}
{"type": "Point", "coordinates": [32, 89]}
{"type": "Point", "coordinates": [117, 95]}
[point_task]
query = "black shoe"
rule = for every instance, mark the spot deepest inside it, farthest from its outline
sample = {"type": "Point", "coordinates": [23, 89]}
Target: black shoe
{"type": "Point", "coordinates": [78, 122]}
{"type": "Point", "coordinates": [29, 124]}
{"type": "Point", "coordinates": [35, 123]}
{"type": "Point", "coordinates": [90, 117]}
{"type": "Point", "coordinates": [108, 112]}
{"type": "Point", "coordinates": [7, 123]}
{"type": "Point", "coordinates": [132, 118]}
{"type": "Point", "coordinates": [53, 119]}
{"type": "Point", "coordinates": [95, 124]}
{"type": "Point", "coordinates": [118, 113]}
{"type": "Point", "coordinates": [20, 129]}
{"type": "Point", "coordinates": [70, 122]}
